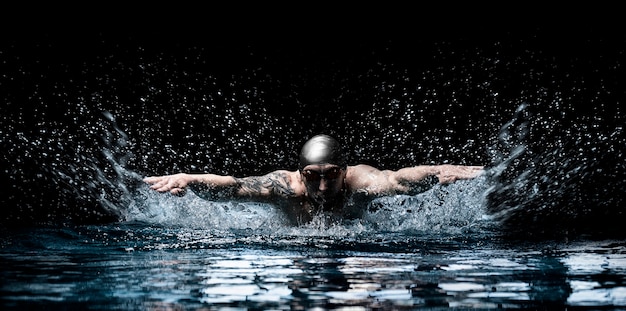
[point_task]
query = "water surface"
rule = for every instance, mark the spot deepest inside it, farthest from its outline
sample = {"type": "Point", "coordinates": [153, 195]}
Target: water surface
{"type": "Point", "coordinates": [140, 266]}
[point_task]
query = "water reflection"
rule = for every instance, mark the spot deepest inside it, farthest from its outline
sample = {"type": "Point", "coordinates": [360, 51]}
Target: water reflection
{"type": "Point", "coordinates": [248, 277]}
{"type": "Point", "coordinates": [597, 276]}
{"type": "Point", "coordinates": [101, 268]}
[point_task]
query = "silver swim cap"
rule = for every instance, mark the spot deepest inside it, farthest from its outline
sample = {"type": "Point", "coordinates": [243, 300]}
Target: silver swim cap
{"type": "Point", "coordinates": [322, 149]}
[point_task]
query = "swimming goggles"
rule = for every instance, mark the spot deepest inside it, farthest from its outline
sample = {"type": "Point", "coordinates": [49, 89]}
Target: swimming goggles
{"type": "Point", "coordinates": [329, 174]}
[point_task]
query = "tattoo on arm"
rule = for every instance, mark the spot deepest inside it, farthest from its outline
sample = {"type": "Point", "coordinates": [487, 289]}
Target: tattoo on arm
{"type": "Point", "coordinates": [272, 184]}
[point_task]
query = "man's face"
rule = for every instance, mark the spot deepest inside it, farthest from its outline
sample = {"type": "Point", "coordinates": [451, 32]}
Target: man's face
{"type": "Point", "coordinates": [323, 181]}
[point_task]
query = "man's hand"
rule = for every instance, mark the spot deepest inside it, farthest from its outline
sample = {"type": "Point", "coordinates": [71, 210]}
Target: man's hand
{"type": "Point", "coordinates": [175, 184]}
{"type": "Point", "coordinates": [450, 173]}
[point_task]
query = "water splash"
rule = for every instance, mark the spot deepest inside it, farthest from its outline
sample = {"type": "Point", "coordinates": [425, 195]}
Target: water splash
{"type": "Point", "coordinates": [507, 155]}
{"type": "Point", "coordinates": [557, 184]}
{"type": "Point", "coordinates": [102, 178]}
{"type": "Point", "coordinates": [445, 209]}
{"type": "Point", "coordinates": [449, 209]}
{"type": "Point", "coordinates": [192, 211]}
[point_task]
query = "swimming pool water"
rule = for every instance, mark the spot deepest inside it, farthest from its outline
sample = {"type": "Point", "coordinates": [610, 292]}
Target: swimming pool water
{"type": "Point", "coordinates": [137, 265]}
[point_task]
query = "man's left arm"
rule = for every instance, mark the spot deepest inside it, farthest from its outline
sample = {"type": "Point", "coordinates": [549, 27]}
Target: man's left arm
{"type": "Point", "coordinates": [411, 177]}
{"type": "Point", "coordinates": [372, 182]}
{"type": "Point", "coordinates": [410, 180]}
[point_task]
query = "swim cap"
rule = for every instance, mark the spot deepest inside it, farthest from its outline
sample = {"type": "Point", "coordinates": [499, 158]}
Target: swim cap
{"type": "Point", "coordinates": [322, 149]}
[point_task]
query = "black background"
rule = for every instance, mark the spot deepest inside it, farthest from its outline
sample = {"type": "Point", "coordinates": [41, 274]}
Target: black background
{"type": "Point", "coordinates": [238, 89]}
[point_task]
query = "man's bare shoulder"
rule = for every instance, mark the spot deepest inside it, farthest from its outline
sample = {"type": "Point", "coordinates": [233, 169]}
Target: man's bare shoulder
{"type": "Point", "coordinates": [365, 177]}
{"type": "Point", "coordinates": [362, 170]}
{"type": "Point", "coordinates": [287, 176]}
{"type": "Point", "coordinates": [285, 173]}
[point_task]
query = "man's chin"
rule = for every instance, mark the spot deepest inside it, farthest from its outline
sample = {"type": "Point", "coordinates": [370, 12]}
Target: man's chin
{"type": "Point", "coordinates": [318, 200]}
{"type": "Point", "coordinates": [321, 199]}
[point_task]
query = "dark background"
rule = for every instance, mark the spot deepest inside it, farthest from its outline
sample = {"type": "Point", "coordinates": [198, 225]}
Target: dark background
{"type": "Point", "coordinates": [91, 98]}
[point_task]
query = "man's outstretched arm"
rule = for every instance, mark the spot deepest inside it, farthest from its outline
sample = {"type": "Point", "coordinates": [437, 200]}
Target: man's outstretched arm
{"type": "Point", "coordinates": [218, 187]}
{"type": "Point", "coordinates": [445, 173]}
{"type": "Point", "coordinates": [372, 181]}
{"type": "Point", "coordinates": [177, 184]}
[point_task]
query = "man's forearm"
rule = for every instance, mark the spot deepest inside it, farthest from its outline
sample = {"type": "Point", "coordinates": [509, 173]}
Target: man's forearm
{"type": "Point", "coordinates": [445, 173]}
{"type": "Point", "coordinates": [213, 187]}
{"type": "Point", "coordinates": [417, 179]}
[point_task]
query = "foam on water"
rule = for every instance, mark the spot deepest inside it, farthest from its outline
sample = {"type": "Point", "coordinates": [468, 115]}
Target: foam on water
{"type": "Point", "coordinates": [448, 209]}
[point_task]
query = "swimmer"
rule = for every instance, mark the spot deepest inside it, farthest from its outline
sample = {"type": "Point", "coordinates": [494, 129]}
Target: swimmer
{"type": "Point", "coordinates": [323, 182]}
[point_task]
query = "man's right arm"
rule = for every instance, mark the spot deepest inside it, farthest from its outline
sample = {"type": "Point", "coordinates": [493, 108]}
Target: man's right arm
{"type": "Point", "coordinates": [205, 185]}
{"type": "Point", "coordinates": [218, 187]}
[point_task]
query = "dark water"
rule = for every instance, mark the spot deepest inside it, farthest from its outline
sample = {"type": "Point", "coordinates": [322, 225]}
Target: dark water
{"type": "Point", "coordinates": [86, 113]}
{"type": "Point", "coordinates": [145, 266]}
